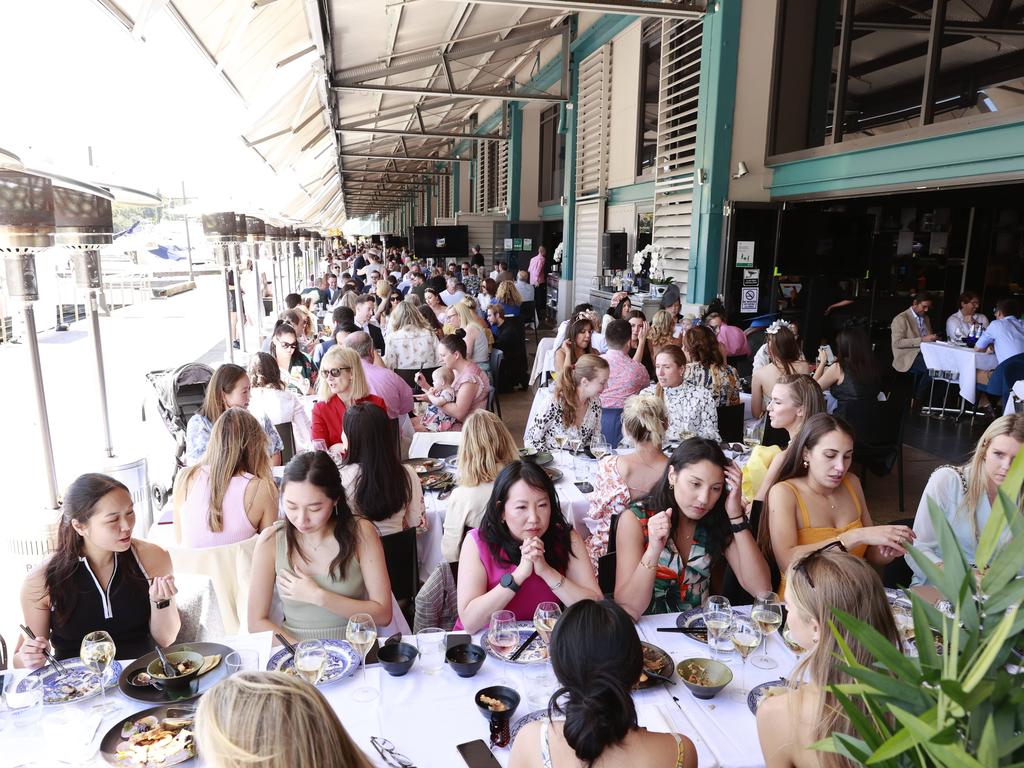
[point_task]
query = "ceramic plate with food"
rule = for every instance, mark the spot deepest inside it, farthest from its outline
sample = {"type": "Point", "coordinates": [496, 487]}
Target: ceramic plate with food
{"type": "Point", "coordinates": [212, 671]}
{"type": "Point", "coordinates": [428, 465]}
{"type": "Point", "coordinates": [154, 738]}
{"type": "Point", "coordinates": [342, 661]}
{"type": "Point", "coordinates": [79, 683]}
{"type": "Point", "coordinates": [694, 619]}
{"type": "Point", "coordinates": [536, 651]}
{"type": "Point", "coordinates": [436, 481]}
{"type": "Point", "coordinates": [554, 473]}
{"type": "Point", "coordinates": [761, 692]}
{"type": "Point", "coordinates": [543, 458]}
{"type": "Point", "coordinates": [657, 661]}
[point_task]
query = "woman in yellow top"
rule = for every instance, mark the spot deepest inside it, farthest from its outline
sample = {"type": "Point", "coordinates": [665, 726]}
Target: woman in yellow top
{"type": "Point", "coordinates": [816, 501]}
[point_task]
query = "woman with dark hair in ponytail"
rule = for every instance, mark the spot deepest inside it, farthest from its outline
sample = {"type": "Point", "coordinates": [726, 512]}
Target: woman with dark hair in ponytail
{"type": "Point", "coordinates": [325, 563]}
{"type": "Point", "coordinates": [597, 658]}
{"type": "Point", "coordinates": [100, 578]}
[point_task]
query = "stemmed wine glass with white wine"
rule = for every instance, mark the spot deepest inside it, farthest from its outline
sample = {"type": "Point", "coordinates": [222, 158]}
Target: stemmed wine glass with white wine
{"type": "Point", "coordinates": [97, 653]}
{"type": "Point", "coordinates": [717, 620]}
{"type": "Point", "coordinates": [746, 636]}
{"type": "Point", "coordinates": [310, 660]}
{"type": "Point", "coordinates": [361, 632]}
{"type": "Point", "coordinates": [560, 442]}
{"type": "Point", "coordinates": [599, 446]}
{"type": "Point", "coordinates": [767, 612]}
{"type": "Point", "coordinates": [545, 618]}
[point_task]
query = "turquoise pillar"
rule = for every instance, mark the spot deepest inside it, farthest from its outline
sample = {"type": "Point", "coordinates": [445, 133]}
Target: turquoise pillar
{"type": "Point", "coordinates": [715, 109]}
{"type": "Point", "coordinates": [515, 158]}
{"type": "Point", "coordinates": [569, 125]}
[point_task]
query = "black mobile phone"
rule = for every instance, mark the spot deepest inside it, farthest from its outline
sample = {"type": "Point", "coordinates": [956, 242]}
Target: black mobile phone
{"type": "Point", "coordinates": [478, 755]}
{"type": "Point", "coordinates": [457, 638]}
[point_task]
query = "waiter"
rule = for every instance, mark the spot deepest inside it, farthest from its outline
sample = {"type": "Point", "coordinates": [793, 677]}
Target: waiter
{"type": "Point", "coordinates": [538, 279]}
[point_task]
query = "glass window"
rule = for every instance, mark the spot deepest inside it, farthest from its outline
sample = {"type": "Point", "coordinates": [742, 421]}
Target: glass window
{"type": "Point", "coordinates": [650, 79]}
{"type": "Point", "coordinates": [551, 156]}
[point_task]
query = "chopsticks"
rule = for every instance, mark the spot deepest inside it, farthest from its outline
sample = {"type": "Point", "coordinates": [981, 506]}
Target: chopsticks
{"type": "Point", "coordinates": [286, 644]}
{"type": "Point", "coordinates": [61, 669]}
{"type": "Point", "coordinates": [684, 630]}
{"type": "Point", "coordinates": [519, 651]}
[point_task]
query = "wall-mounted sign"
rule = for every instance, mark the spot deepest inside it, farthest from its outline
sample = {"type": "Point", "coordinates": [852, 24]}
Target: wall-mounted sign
{"type": "Point", "coordinates": [748, 300]}
{"type": "Point", "coordinates": [745, 253]}
{"type": "Point", "coordinates": [508, 243]}
{"type": "Point", "coordinates": [527, 243]}
{"type": "Point", "coordinates": [751, 278]}
{"type": "Point", "coordinates": [517, 244]}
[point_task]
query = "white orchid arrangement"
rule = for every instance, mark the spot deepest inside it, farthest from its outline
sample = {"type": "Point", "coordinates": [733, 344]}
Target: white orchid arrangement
{"type": "Point", "coordinates": [656, 266]}
{"type": "Point", "coordinates": [559, 253]}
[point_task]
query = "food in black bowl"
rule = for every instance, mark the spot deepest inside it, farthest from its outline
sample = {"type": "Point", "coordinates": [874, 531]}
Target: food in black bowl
{"type": "Point", "coordinates": [466, 659]}
{"type": "Point", "coordinates": [497, 702]}
{"type": "Point", "coordinates": [397, 658]}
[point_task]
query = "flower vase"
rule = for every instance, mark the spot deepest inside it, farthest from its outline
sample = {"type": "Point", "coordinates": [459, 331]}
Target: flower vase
{"type": "Point", "coordinates": [658, 290]}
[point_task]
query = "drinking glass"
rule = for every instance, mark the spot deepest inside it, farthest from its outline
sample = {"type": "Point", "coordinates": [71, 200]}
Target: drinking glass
{"type": "Point", "coordinates": [746, 636]}
{"type": "Point", "coordinates": [430, 642]}
{"type": "Point", "coordinates": [599, 446]}
{"type": "Point", "coordinates": [903, 615]}
{"type": "Point", "coordinates": [767, 613]}
{"type": "Point", "coordinates": [753, 433]}
{"type": "Point", "coordinates": [544, 619]}
{"type": "Point", "coordinates": [97, 652]}
{"type": "Point", "coordinates": [242, 661]}
{"type": "Point", "coordinates": [310, 660]}
{"type": "Point", "coordinates": [560, 441]}
{"type": "Point", "coordinates": [717, 618]}
{"type": "Point", "coordinates": [361, 632]}
{"type": "Point", "coordinates": [503, 632]}
{"type": "Point", "coordinates": [24, 707]}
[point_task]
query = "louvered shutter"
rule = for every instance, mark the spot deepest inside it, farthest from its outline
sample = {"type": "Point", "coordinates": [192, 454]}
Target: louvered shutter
{"type": "Point", "coordinates": [589, 225]}
{"type": "Point", "coordinates": [677, 144]}
{"type": "Point", "coordinates": [501, 150]}
{"type": "Point", "coordinates": [482, 177]}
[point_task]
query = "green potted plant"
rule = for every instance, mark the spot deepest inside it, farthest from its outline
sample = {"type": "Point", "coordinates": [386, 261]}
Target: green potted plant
{"type": "Point", "coordinates": [960, 702]}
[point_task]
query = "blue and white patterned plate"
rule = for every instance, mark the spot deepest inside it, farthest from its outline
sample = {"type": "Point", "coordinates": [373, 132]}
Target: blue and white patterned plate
{"type": "Point", "coordinates": [342, 661]}
{"type": "Point", "coordinates": [694, 619]}
{"type": "Point", "coordinates": [536, 651]}
{"type": "Point", "coordinates": [79, 683]}
{"type": "Point", "coordinates": [759, 692]}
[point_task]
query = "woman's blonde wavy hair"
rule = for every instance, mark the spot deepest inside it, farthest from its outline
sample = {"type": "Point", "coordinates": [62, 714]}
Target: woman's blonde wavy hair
{"type": "Point", "coordinates": [486, 448]}
{"type": "Point", "coordinates": [343, 357]}
{"type": "Point", "coordinates": [589, 366]}
{"type": "Point", "coordinates": [645, 419]}
{"type": "Point", "coordinates": [974, 470]}
{"type": "Point", "coordinates": [406, 315]}
{"type": "Point", "coordinates": [272, 720]}
{"type": "Point", "coordinates": [237, 444]}
{"type": "Point", "coordinates": [509, 294]}
{"type": "Point", "coordinates": [662, 326]}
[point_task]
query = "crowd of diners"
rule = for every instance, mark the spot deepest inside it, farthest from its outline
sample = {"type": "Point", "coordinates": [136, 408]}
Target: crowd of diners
{"type": "Point", "coordinates": [794, 520]}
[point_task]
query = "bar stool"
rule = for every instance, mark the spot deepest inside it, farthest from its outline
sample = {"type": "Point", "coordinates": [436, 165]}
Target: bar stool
{"type": "Point", "coordinates": [948, 378]}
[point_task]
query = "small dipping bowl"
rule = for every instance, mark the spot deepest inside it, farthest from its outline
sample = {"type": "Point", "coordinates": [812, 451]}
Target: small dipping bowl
{"type": "Point", "coordinates": [502, 693]}
{"type": "Point", "coordinates": [466, 659]}
{"type": "Point", "coordinates": [397, 658]}
{"type": "Point", "coordinates": [177, 683]}
{"type": "Point", "coordinates": [716, 673]}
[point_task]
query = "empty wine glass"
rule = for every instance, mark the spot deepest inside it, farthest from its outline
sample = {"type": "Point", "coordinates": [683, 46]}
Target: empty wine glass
{"type": "Point", "coordinates": [767, 613]}
{"type": "Point", "coordinates": [97, 653]}
{"type": "Point", "coordinates": [717, 619]}
{"type": "Point", "coordinates": [361, 633]}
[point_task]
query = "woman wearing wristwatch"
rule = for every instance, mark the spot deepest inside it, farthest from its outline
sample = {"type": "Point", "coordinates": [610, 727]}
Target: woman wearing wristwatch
{"type": "Point", "coordinates": [669, 543]}
{"type": "Point", "coordinates": [523, 553]}
{"type": "Point", "coordinates": [100, 578]}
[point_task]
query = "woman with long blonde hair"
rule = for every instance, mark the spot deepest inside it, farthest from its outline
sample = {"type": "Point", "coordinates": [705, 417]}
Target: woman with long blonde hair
{"type": "Point", "coordinates": [575, 407]}
{"type": "Point", "coordinates": [229, 496]}
{"type": "Point", "coordinates": [661, 332]}
{"type": "Point", "coordinates": [487, 447]}
{"type": "Point", "coordinates": [412, 344]}
{"type": "Point", "coordinates": [509, 297]}
{"type": "Point", "coordinates": [342, 383]}
{"type": "Point", "coordinates": [820, 582]}
{"type": "Point", "coordinates": [460, 315]}
{"type": "Point", "coordinates": [965, 493]}
{"type": "Point", "coordinates": [272, 720]}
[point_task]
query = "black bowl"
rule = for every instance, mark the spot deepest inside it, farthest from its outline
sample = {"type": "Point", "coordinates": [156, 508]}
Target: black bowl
{"type": "Point", "coordinates": [397, 658]}
{"type": "Point", "coordinates": [502, 693]}
{"type": "Point", "coordinates": [466, 659]}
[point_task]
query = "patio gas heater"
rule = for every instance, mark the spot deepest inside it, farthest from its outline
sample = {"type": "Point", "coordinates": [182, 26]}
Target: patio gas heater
{"type": "Point", "coordinates": [221, 230]}
{"type": "Point", "coordinates": [289, 259]}
{"type": "Point", "coordinates": [303, 237]}
{"type": "Point", "coordinates": [27, 227]}
{"type": "Point", "coordinates": [85, 224]}
{"type": "Point", "coordinates": [255, 234]}
{"type": "Point", "coordinates": [273, 249]}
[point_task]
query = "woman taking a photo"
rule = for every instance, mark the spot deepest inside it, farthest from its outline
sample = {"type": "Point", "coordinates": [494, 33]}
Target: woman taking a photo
{"type": "Point", "coordinates": [270, 399]}
{"type": "Point", "coordinates": [523, 553]}
{"type": "Point", "coordinates": [97, 580]}
{"type": "Point", "coordinates": [673, 540]}
{"type": "Point", "coordinates": [853, 376]}
{"type": "Point", "coordinates": [487, 447]}
{"type": "Point", "coordinates": [576, 344]}
{"type": "Point", "coordinates": [412, 345]}
{"type": "Point", "coordinates": [296, 369]}
{"type": "Point", "coordinates": [598, 659]}
{"type": "Point", "coordinates": [784, 357]}
{"type": "Point", "coordinates": [822, 581]}
{"type": "Point", "coordinates": [817, 502]}
{"type": "Point", "coordinates": [381, 488]}
{"type": "Point", "coordinates": [691, 410]}
{"type": "Point", "coordinates": [966, 493]}
{"type": "Point", "coordinates": [325, 563]}
{"type": "Point", "coordinates": [575, 406]}
{"type": "Point", "coordinates": [229, 496]}
{"type": "Point", "coordinates": [626, 478]}
{"type": "Point", "coordinates": [707, 367]}
{"type": "Point", "coordinates": [470, 387]}
{"type": "Point", "coordinates": [342, 384]}
{"type": "Point", "coordinates": [229, 388]}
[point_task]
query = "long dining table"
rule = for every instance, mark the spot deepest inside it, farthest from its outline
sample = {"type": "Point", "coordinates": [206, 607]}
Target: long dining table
{"type": "Point", "coordinates": [426, 716]}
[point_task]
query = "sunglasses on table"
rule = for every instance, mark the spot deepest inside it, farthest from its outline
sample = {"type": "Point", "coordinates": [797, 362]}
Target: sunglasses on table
{"type": "Point", "coordinates": [389, 754]}
{"type": "Point", "coordinates": [333, 373]}
{"type": "Point", "coordinates": [801, 565]}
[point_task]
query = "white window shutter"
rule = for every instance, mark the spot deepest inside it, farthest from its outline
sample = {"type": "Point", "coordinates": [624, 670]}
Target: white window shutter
{"type": "Point", "coordinates": [592, 120]}
{"type": "Point", "coordinates": [674, 174]}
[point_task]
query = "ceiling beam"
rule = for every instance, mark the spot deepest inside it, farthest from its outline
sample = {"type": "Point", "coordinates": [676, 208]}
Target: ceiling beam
{"type": "Point", "coordinates": [427, 134]}
{"type": "Point", "coordinates": [402, 90]}
{"type": "Point", "coordinates": [390, 157]}
{"type": "Point", "coordinates": [392, 172]}
{"type": "Point", "coordinates": [690, 9]}
{"type": "Point", "coordinates": [967, 30]}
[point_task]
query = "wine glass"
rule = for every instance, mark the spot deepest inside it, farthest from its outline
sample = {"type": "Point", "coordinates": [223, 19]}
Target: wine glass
{"type": "Point", "coordinates": [767, 613]}
{"type": "Point", "coordinates": [599, 446]}
{"type": "Point", "coordinates": [310, 660]}
{"type": "Point", "coordinates": [97, 652]}
{"type": "Point", "coordinates": [503, 633]}
{"type": "Point", "coordinates": [717, 619]}
{"type": "Point", "coordinates": [746, 636]}
{"type": "Point", "coordinates": [560, 440]}
{"type": "Point", "coordinates": [361, 633]}
{"type": "Point", "coordinates": [544, 619]}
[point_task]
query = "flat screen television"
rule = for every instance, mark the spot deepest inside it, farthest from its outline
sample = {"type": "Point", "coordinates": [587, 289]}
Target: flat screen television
{"type": "Point", "coordinates": [440, 242]}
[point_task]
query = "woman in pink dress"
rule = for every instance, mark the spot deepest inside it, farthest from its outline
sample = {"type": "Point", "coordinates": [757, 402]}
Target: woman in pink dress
{"type": "Point", "coordinates": [470, 386]}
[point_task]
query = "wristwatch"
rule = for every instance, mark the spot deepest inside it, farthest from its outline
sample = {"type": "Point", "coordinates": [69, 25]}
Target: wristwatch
{"type": "Point", "coordinates": [739, 527]}
{"type": "Point", "coordinates": [509, 583]}
{"type": "Point", "coordinates": [161, 604]}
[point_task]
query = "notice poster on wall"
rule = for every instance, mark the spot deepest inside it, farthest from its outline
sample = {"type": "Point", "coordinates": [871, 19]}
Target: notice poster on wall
{"type": "Point", "coordinates": [745, 253]}
{"type": "Point", "coordinates": [508, 244]}
{"type": "Point", "coordinates": [527, 243]}
{"type": "Point", "coordinates": [517, 244]}
{"type": "Point", "coordinates": [748, 300]}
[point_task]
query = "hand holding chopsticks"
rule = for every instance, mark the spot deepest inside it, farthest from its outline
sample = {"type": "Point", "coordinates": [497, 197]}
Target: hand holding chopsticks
{"type": "Point", "coordinates": [42, 646]}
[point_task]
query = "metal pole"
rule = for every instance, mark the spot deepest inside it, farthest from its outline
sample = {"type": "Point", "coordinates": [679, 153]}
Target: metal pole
{"type": "Point", "coordinates": [225, 261]}
{"type": "Point", "coordinates": [933, 61]}
{"type": "Point", "coordinates": [254, 249]}
{"type": "Point", "coordinates": [845, 44]}
{"type": "Point", "coordinates": [101, 376]}
{"type": "Point", "coordinates": [188, 237]}
{"type": "Point", "coordinates": [238, 294]}
{"type": "Point", "coordinates": [44, 419]}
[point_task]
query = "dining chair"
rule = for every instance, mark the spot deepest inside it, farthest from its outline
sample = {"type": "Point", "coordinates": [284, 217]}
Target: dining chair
{"type": "Point", "coordinates": [528, 314]}
{"type": "Point", "coordinates": [287, 440]}
{"type": "Point", "coordinates": [878, 446]}
{"type": "Point", "coordinates": [402, 560]}
{"type": "Point", "coordinates": [493, 404]}
{"type": "Point", "coordinates": [730, 422]}
{"type": "Point", "coordinates": [229, 568]}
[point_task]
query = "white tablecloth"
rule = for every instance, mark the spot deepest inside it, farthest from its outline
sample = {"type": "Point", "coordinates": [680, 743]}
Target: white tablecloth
{"type": "Point", "coordinates": [1018, 390]}
{"type": "Point", "coordinates": [943, 356]}
{"type": "Point", "coordinates": [426, 716]}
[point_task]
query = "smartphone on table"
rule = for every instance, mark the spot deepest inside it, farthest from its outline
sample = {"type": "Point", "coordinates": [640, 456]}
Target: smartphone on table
{"type": "Point", "coordinates": [478, 755]}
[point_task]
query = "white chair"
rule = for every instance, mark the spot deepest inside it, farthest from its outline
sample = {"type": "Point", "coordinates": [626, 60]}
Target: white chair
{"type": "Point", "coordinates": [543, 360]}
{"type": "Point", "coordinates": [419, 448]}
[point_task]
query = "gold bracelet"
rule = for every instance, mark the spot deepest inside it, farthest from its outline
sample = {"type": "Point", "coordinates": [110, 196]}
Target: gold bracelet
{"type": "Point", "coordinates": [651, 568]}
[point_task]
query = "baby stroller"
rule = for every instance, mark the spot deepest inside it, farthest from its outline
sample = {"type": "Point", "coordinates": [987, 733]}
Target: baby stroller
{"type": "Point", "coordinates": [177, 394]}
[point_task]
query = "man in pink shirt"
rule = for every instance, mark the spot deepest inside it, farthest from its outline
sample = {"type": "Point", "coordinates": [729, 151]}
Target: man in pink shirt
{"type": "Point", "coordinates": [538, 279]}
{"type": "Point", "coordinates": [626, 377]}
{"type": "Point", "coordinates": [732, 339]}
{"type": "Point", "coordinates": [383, 382]}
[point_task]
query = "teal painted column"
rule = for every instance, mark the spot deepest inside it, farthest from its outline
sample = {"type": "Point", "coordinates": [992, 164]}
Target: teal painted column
{"type": "Point", "coordinates": [515, 158]}
{"type": "Point", "coordinates": [569, 209]}
{"type": "Point", "coordinates": [715, 108]}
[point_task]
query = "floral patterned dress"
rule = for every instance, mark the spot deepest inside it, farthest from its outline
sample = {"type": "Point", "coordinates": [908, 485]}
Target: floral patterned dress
{"type": "Point", "coordinates": [610, 498]}
{"type": "Point", "coordinates": [677, 586]}
{"type": "Point", "coordinates": [550, 422]}
{"type": "Point", "coordinates": [722, 381]}
{"type": "Point", "coordinates": [691, 411]}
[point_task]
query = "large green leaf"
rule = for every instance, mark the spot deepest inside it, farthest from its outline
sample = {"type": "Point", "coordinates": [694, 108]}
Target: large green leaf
{"type": "Point", "coordinates": [879, 646]}
{"type": "Point", "coordinates": [859, 720]}
{"type": "Point", "coordinates": [896, 745]}
{"type": "Point", "coordinates": [948, 755]}
{"type": "Point", "coordinates": [990, 535]}
{"type": "Point", "coordinates": [1010, 594]}
{"type": "Point", "coordinates": [883, 684]}
{"type": "Point", "coordinates": [988, 750]}
{"type": "Point", "coordinates": [928, 657]}
{"type": "Point", "coordinates": [992, 649]}
{"type": "Point", "coordinates": [1008, 561]}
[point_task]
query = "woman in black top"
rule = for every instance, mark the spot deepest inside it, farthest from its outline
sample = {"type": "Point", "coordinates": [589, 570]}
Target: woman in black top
{"type": "Point", "coordinates": [100, 578]}
{"type": "Point", "coordinates": [511, 340]}
{"type": "Point", "coordinates": [854, 374]}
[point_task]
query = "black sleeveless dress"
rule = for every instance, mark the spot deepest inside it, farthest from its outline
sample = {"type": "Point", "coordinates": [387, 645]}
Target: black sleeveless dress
{"type": "Point", "coordinates": [122, 610]}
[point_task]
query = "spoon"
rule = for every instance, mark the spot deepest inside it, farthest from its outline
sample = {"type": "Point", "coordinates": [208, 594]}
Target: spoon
{"type": "Point", "coordinates": [168, 669]}
{"type": "Point", "coordinates": [655, 676]}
